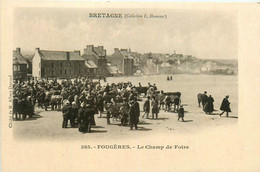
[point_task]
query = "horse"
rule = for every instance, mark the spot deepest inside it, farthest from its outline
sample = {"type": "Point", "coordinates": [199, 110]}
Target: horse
{"type": "Point", "coordinates": [141, 90]}
{"type": "Point", "coordinates": [173, 96]}
{"type": "Point", "coordinates": [201, 99]}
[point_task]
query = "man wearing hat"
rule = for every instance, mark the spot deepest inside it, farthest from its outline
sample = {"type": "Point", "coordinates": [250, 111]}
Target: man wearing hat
{"type": "Point", "coordinates": [133, 116]}
{"type": "Point", "coordinates": [74, 112]}
{"type": "Point", "coordinates": [66, 110]}
{"type": "Point", "coordinates": [204, 98]}
{"type": "Point", "coordinates": [225, 106]}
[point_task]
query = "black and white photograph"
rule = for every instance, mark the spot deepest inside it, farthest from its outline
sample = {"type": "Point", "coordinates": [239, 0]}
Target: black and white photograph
{"type": "Point", "coordinates": [81, 71]}
{"type": "Point", "coordinates": [124, 79]}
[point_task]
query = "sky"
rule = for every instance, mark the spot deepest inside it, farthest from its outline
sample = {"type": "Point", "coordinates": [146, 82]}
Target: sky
{"type": "Point", "coordinates": [202, 33]}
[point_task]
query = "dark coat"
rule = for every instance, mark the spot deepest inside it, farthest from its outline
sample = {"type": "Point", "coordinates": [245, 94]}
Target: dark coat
{"type": "Point", "coordinates": [147, 106]}
{"type": "Point", "coordinates": [89, 115]}
{"type": "Point", "coordinates": [66, 110]}
{"type": "Point", "coordinates": [209, 107]}
{"type": "Point", "coordinates": [181, 112]}
{"type": "Point", "coordinates": [132, 114]}
{"type": "Point", "coordinates": [225, 105]}
{"type": "Point", "coordinates": [204, 99]}
{"type": "Point", "coordinates": [137, 110]}
{"type": "Point", "coordinates": [155, 108]}
{"type": "Point", "coordinates": [100, 103]}
{"type": "Point", "coordinates": [81, 113]}
{"type": "Point", "coordinates": [210, 104]}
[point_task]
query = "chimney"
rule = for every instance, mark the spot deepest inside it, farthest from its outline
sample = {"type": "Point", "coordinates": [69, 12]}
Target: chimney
{"type": "Point", "coordinates": [116, 49]}
{"type": "Point", "coordinates": [68, 55]}
{"type": "Point", "coordinates": [77, 51]}
{"type": "Point", "coordinates": [37, 49]}
{"type": "Point", "coordinates": [18, 50]}
{"type": "Point", "coordinates": [123, 50]}
{"type": "Point", "coordinates": [91, 47]}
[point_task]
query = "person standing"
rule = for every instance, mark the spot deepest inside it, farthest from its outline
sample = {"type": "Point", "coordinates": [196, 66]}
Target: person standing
{"type": "Point", "coordinates": [161, 97]}
{"type": "Point", "coordinates": [210, 106]}
{"type": "Point", "coordinates": [100, 104]}
{"type": "Point", "coordinates": [137, 109]}
{"type": "Point", "coordinates": [133, 116]}
{"type": "Point", "coordinates": [146, 107]}
{"type": "Point", "coordinates": [109, 111]}
{"type": "Point", "coordinates": [155, 108]}
{"type": "Point", "coordinates": [204, 98]}
{"type": "Point", "coordinates": [89, 117]}
{"type": "Point", "coordinates": [124, 112]}
{"type": "Point", "coordinates": [225, 106]}
{"type": "Point", "coordinates": [66, 110]}
{"type": "Point", "coordinates": [74, 112]}
{"type": "Point", "coordinates": [181, 113]}
{"type": "Point", "coordinates": [81, 113]}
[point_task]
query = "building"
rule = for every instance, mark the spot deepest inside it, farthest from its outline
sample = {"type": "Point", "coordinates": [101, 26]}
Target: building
{"type": "Point", "coordinates": [19, 65]}
{"type": "Point", "coordinates": [113, 70]}
{"type": "Point", "coordinates": [57, 64]}
{"type": "Point", "coordinates": [123, 60]}
{"type": "Point", "coordinates": [97, 56]}
{"type": "Point", "coordinates": [90, 68]}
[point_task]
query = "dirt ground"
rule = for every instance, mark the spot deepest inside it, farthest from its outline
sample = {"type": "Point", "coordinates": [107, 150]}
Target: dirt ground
{"type": "Point", "coordinates": [47, 125]}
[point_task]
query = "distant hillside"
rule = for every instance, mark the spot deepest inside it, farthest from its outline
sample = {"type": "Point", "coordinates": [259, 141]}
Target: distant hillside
{"type": "Point", "coordinates": [226, 61]}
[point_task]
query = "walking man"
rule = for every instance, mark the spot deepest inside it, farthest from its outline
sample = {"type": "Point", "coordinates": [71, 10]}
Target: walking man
{"type": "Point", "coordinates": [146, 107]}
{"type": "Point", "coordinates": [225, 106]}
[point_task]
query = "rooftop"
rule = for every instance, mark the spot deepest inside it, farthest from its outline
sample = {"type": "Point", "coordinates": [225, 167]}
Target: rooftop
{"type": "Point", "coordinates": [90, 64]}
{"type": "Point", "coordinates": [18, 58]}
{"type": "Point", "coordinates": [59, 55]}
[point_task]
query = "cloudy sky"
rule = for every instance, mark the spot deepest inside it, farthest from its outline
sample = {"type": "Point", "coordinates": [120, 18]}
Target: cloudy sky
{"type": "Point", "coordinates": [201, 33]}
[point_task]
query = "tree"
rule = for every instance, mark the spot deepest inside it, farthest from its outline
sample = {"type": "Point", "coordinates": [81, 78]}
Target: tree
{"type": "Point", "coordinates": [171, 62]}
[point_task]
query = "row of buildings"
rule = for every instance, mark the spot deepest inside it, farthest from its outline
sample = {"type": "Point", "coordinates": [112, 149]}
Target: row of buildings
{"type": "Point", "coordinates": [93, 62]}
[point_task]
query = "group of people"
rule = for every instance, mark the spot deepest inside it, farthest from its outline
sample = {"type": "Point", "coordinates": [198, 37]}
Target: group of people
{"type": "Point", "coordinates": [80, 99]}
{"type": "Point", "coordinates": [208, 106]}
{"type": "Point", "coordinates": [160, 101]}
{"type": "Point", "coordinates": [169, 78]}
{"type": "Point", "coordinates": [207, 103]}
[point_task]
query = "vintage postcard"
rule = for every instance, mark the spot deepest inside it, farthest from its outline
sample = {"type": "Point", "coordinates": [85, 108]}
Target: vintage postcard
{"type": "Point", "coordinates": [113, 86]}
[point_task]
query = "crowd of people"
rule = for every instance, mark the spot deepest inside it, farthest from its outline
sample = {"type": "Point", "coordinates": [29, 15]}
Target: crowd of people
{"type": "Point", "coordinates": [208, 104]}
{"type": "Point", "coordinates": [80, 99]}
